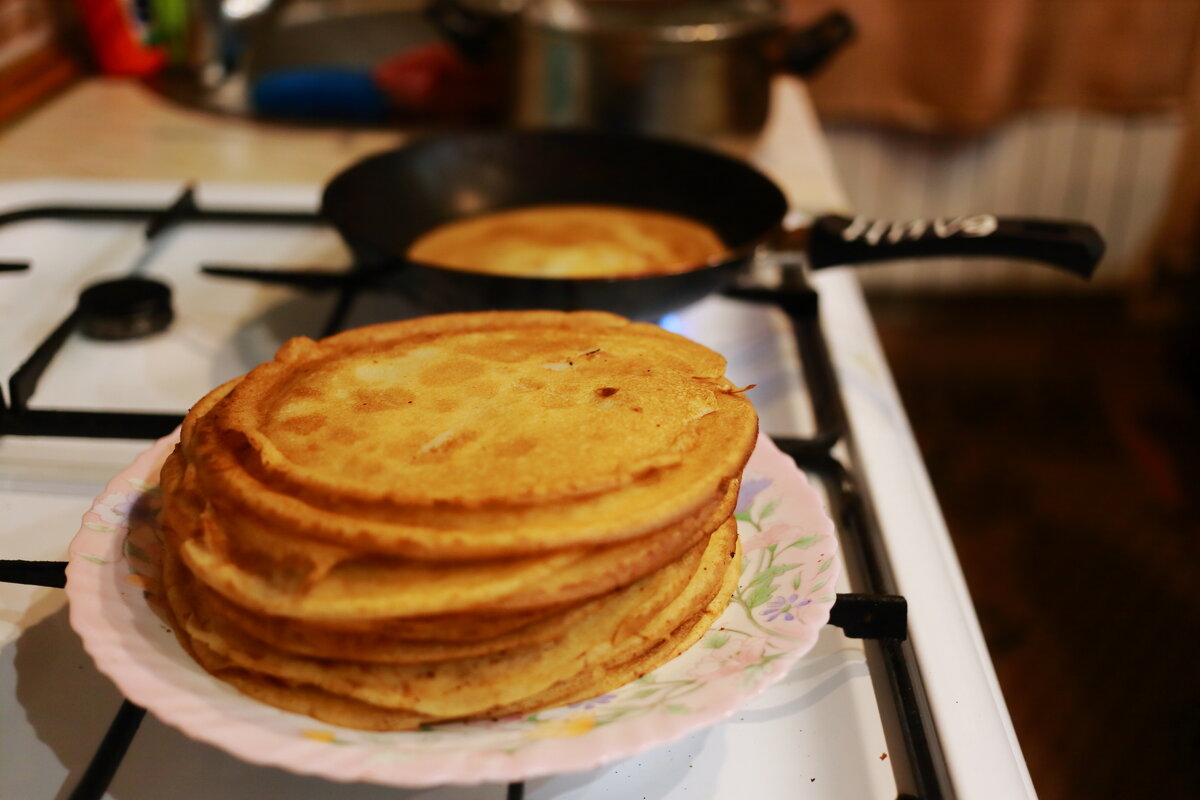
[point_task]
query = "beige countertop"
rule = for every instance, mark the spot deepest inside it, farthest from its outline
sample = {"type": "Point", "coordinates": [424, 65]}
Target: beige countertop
{"type": "Point", "coordinates": [114, 128]}
{"type": "Point", "coordinates": [111, 128]}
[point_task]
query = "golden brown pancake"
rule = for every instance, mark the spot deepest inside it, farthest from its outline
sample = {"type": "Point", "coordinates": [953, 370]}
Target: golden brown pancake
{"type": "Point", "coordinates": [446, 532]}
{"type": "Point", "coordinates": [381, 644]}
{"type": "Point", "coordinates": [472, 503]}
{"type": "Point", "coordinates": [338, 710]}
{"type": "Point", "coordinates": [645, 613]}
{"type": "Point", "coordinates": [292, 563]}
{"type": "Point", "coordinates": [291, 636]}
{"type": "Point", "coordinates": [436, 411]}
{"type": "Point", "coordinates": [369, 589]}
{"type": "Point", "coordinates": [290, 697]}
{"type": "Point", "coordinates": [387, 588]}
{"type": "Point", "coordinates": [622, 668]}
{"type": "Point", "coordinates": [570, 241]}
{"type": "Point", "coordinates": [276, 579]}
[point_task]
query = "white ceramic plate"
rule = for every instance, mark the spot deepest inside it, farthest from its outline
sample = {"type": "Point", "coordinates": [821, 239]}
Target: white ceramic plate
{"type": "Point", "coordinates": [782, 601]}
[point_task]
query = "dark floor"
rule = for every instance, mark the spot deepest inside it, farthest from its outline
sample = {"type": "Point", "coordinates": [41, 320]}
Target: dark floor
{"type": "Point", "coordinates": [1063, 440]}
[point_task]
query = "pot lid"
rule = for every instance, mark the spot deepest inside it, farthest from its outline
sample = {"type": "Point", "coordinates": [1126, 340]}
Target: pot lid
{"type": "Point", "coordinates": [666, 20]}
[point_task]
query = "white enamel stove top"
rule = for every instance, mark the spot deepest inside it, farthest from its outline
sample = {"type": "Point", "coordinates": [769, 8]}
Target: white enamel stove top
{"type": "Point", "coordinates": [817, 734]}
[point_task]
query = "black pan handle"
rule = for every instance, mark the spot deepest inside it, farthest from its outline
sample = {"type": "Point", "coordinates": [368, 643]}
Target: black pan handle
{"type": "Point", "coordinates": [808, 49]}
{"type": "Point", "coordinates": [475, 33]}
{"type": "Point", "coordinates": [1074, 247]}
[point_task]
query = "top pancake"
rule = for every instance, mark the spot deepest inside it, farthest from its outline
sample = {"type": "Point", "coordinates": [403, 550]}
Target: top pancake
{"type": "Point", "coordinates": [471, 410]}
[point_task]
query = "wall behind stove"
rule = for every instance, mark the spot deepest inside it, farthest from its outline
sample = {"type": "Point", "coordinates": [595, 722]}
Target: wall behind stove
{"type": "Point", "coordinates": [1113, 171]}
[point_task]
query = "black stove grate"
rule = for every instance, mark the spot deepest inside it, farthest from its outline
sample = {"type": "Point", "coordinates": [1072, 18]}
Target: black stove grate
{"type": "Point", "coordinates": [877, 614]}
{"type": "Point", "coordinates": [17, 417]}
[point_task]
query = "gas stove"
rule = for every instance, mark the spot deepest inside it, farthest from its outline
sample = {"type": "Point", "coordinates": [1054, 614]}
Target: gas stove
{"type": "Point", "coordinates": [898, 699]}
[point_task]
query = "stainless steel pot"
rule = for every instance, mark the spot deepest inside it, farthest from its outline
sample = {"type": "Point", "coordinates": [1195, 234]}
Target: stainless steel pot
{"type": "Point", "coordinates": [693, 69]}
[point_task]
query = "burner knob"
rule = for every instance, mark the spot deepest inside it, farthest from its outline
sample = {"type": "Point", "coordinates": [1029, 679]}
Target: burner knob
{"type": "Point", "coordinates": [126, 308]}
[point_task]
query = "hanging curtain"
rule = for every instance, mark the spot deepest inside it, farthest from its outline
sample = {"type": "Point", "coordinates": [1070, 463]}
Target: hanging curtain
{"type": "Point", "coordinates": [964, 66]}
{"type": "Point", "coordinates": [961, 66]}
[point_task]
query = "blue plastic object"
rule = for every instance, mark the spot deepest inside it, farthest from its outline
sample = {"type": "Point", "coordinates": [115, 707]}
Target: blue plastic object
{"type": "Point", "coordinates": [320, 93]}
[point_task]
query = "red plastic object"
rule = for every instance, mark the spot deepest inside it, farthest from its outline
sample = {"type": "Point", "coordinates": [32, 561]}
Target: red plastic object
{"type": "Point", "coordinates": [435, 81]}
{"type": "Point", "coordinates": [116, 49]}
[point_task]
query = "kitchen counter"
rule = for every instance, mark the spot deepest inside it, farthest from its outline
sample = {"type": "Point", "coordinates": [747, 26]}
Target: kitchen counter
{"type": "Point", "coordinates": [114, 128]}
{"type": "Point", "coordinates": [118, 129]}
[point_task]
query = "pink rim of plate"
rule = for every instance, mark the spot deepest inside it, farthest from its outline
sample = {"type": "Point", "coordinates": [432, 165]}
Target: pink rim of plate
{"type": "Point", "coordinates": [782, 602]}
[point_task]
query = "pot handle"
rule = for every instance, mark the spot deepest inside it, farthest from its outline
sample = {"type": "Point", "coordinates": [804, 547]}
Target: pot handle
{"type": "Point", "coordinates": [808, 49]}
{"type": "Point", "coordinates": [1074, 247]}
{"type": "Point", "coordinates": [473, 33]}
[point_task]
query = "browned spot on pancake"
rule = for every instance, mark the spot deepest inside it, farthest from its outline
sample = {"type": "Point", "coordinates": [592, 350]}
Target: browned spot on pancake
{"type": "Point", "coordinates": [554, 400]}
{"type": "Point", "coordinates": [213, 534]}
{"type": "Point", "coordinates": [305, 392]}
{"type": "Point", "coordinates": [508, 350]}
{"type": "Point", "coordinates": [478, 389]}
{"type": "Point", "coordinates": [446, 404]}
{"type": "Point", "coordinates": [411, 441]}
{"type": "Point", "coordinates": [515, 448]}
{"type": "Point", "coordinates": [463, 438]}
{"type": "Point", "coordinates": [345, 435]}
{"type": "Point", "coordinates": [430, 457]}
{"type": "Point", "coordinates": [451, 372]}
{"type": "Point", "coordinates": [528, 384]}
{"type": "Point", "coordinates": [439, 448]}
{"type": "Point", "coordinates": [607, 391]}
{"type": "Point", "coordinates": [385, 399]}
{"type": "Point", "coordinates": [303, 425]}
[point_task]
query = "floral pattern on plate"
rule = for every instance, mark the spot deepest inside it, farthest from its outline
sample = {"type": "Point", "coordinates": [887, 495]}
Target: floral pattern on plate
{"type": "Point", "coordinates": [782, 601]}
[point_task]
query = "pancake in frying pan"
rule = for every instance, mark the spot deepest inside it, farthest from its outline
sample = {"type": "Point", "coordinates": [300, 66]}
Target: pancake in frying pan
{"type": "Point", "coordinates": [570, 241]}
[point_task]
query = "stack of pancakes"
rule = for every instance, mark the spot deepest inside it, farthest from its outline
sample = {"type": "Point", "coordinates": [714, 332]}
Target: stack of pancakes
{"type": "Point", "coordinates": [456, 517]}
